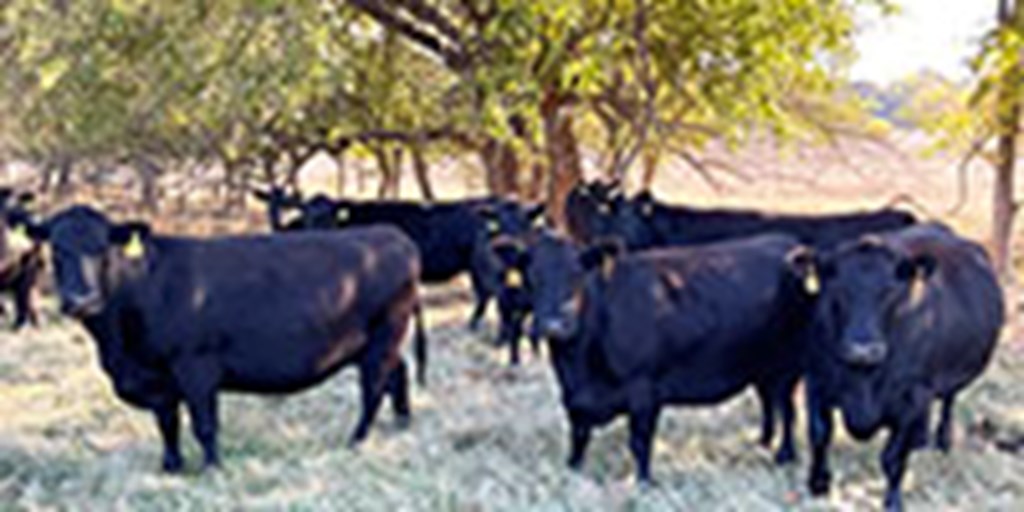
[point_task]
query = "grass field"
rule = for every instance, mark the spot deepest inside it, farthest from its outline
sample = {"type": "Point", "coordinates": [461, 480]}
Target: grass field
{"type": "Point", "coordinates": [485, 437]}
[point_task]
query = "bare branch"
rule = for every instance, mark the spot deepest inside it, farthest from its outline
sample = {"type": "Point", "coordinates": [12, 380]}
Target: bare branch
{"type": "Point", "coordinates": [963, 184]}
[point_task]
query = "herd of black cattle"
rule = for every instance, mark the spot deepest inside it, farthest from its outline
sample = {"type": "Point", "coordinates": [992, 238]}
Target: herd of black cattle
{"type": "Point", "coordinates": [643, 305]}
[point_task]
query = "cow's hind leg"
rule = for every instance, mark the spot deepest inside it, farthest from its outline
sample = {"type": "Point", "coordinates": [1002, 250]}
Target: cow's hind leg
{"type": "Point", "coordinates": [168, 420]}
{"type": "Point", "coordinates": [378, 362]}
{"type": "Point", "coordinates": [482, 300]}
{"type": "Point", "coordinates": [398, 390]}
{"type": "Point", "coordinates": [783, 399]}
{"type": "Point", "coordinates": [198, 379]}
{"type": "Point", "coordinates": [944, 431]}
{"type": "Point", "coordinates": [24, 309]}
{"type": "Point", "coordinates": [764, 395]}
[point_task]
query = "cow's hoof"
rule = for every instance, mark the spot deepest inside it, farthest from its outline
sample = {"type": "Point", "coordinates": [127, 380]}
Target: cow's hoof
{"type": "Point", "coordinates": [403, 421]}
{"type": "Point", "coordinates": [173, 465]}
{"type": "Point", "coordinates": [893, 502]}
{"type": "Point", "coordinates": [646, 485]}
{"type": "Point", "coordinates": [819, 486]}
{"type": "Point", "coordinates": [785, 456]}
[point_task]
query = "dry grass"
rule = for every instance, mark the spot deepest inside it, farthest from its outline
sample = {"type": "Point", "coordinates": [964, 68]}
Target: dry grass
{"type": "Point", "coordinates": [483, 438]}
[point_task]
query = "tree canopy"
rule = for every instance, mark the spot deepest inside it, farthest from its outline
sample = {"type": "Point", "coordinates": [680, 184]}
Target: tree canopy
{"type": "Point", "coordinates": [259, 86]}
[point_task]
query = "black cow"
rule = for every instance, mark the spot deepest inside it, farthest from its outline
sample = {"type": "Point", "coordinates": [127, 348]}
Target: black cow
{"type": "Point", "coordinates": [669, 327]}
{"type": "Point", "coordinates": [453, 237]}
{"type": "Point", "coordinates": [515, 300]}
{"type": "Point", "coordinates": [21, 258]}
{"type": "Point", "coordinates": [643, 222]}
{"type": "Point", "coordinates": [278, 201]}
{"type": "Point", "coordinates": [586, 207]}
{"type": "Point", "coordinates": [904, 319]}
{"type": "Point", "coordinates": [180, 319]}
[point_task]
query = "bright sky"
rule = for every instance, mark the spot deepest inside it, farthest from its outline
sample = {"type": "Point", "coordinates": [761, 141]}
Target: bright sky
{"type": "Point", "coordinates": [928, 34]}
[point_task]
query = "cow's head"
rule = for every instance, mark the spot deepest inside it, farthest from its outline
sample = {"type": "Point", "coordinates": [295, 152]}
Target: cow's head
{"type": "Point", "coordinates": [588, 206]}
{"type": "Point", "coordinates": [863, 284]}
{"type": "Point", "coordinates": [278, 201]}
{"type": "Point", "coordinates": [91, 256]}
{"type": "Point", "coordinates": [322, 213]}
{"type": "Point", "coordinates": [631, 220]}
{"type": "Point", "coordinates": [557, 270]}
{"type": "Point", "coordinates": [505, 222]}
{"type": "Point", "coordinates": [15, 223]}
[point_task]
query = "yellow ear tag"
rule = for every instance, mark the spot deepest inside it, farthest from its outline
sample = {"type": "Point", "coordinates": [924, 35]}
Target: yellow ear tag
{"type": "Point", "coordinates": [493, 226]}
{"type": "Point", "coordinates": [135, 249]}
{"type": "Point", "coordinates": [342, 215]}
{"type": "Point", "coordinates": [607, 267]}
{"type": "Point", "coordinates": [18, 239]}
{"type": "Point", "coordinates": [918, 288]}
{"type": "Point", "coordinates": [812, 285]}
{"type": "Point", "coordinates": [513, 279]}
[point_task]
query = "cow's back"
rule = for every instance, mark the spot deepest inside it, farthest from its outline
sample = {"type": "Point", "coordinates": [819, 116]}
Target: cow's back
{"type": "Point", "coordinates": [708, 303]}
{"type": "Point", "coordinates": [268, 306]}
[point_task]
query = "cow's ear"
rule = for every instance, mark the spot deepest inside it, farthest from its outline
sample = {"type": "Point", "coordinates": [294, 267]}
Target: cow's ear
{"type": "Point", "coordinates": [921, 266]}
{"type": "Point", "coordinates": [25, 198]}
{"type": "Point", "coordinates": [535, 212]}
{"type": "Point", "coordinates": [262, 195]}
{"type": "Point", "coordinates": [602, 255]}
{"type": "Point", "coordinates": [486, 211]}
{"type": "Point", "coordinates": [805, 263]}
{"type": "Point", "coordinates": [645, 201]}
{"type": "Point", "coordinates": [132, 238]}
{"type": "Point", "coordinates": [38, 232]}
{"type": "Point", "coordinates": [536, 216]}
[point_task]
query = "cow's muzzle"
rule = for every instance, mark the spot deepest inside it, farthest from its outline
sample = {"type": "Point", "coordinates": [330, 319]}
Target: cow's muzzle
{"type": "Point", "coordinates": [865, 354]}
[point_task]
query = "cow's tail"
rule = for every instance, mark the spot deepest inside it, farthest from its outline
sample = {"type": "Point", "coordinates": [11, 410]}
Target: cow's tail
{"type": "Point", "coordinates": [420, 346]}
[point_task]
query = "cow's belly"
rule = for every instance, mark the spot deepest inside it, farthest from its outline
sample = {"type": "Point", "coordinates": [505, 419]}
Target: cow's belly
{"type": "Point", "coordinates": [289, 363]}
{"type": "Point", "coordinates": [693, 389]}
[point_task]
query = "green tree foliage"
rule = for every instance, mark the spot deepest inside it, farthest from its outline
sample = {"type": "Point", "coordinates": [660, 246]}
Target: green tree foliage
{"type": "Point", "coordinates": [265, 84]}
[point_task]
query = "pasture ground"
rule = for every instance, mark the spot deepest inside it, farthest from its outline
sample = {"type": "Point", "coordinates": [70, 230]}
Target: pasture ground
{"type": "Point", "coordinates": [483, 438]}
{"type": "Point", "coordinates": [488, 438]}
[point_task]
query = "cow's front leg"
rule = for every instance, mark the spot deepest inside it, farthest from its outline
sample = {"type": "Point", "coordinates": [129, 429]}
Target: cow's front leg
{"type": "Point", "coordinates": [902, 442]}
{"type": "Point", "coordinates": [819, 425]}
{"type": "Point", "coordinates": [579, 439]}
{"type": "Point", "coordinates": [944, 431]}
{"type": "Point", "coordinates": [198, 379]}
{"type": "Point", "coordinates": [168, 420]}
{"type": "Point", "coordinates": [643, 423]}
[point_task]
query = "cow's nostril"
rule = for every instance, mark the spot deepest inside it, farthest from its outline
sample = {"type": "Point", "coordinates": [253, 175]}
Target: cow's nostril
{"type": "Point", "coordinates": [866, 353]}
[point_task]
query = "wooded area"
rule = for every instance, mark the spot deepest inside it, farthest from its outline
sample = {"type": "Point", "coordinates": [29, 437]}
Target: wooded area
{"type": "Point", "coordinates": [237, 93]}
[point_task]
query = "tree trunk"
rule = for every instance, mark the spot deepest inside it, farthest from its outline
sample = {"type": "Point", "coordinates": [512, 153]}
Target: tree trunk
{"type": "Point", "coordinates": [390, 165]}
{"type": "Point", "coordinates": [650, 161]}
{"type": "Point", "coordinates": [535, 189]}
{"type": "Point", "coordinates": [502, 167]}
{"type": "Point", "coordinates": [339, 174]}
{"type": "Point", "coordinates": [65, 167]}
{"type": "Point", "coordinates": [422, 172]}
{"type": "Point", "coordinates": [1004, 206]}
{"type": "Point", "coordinates": [149, 172]}
{"type": "Point", "coordinates": [564, 169]}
